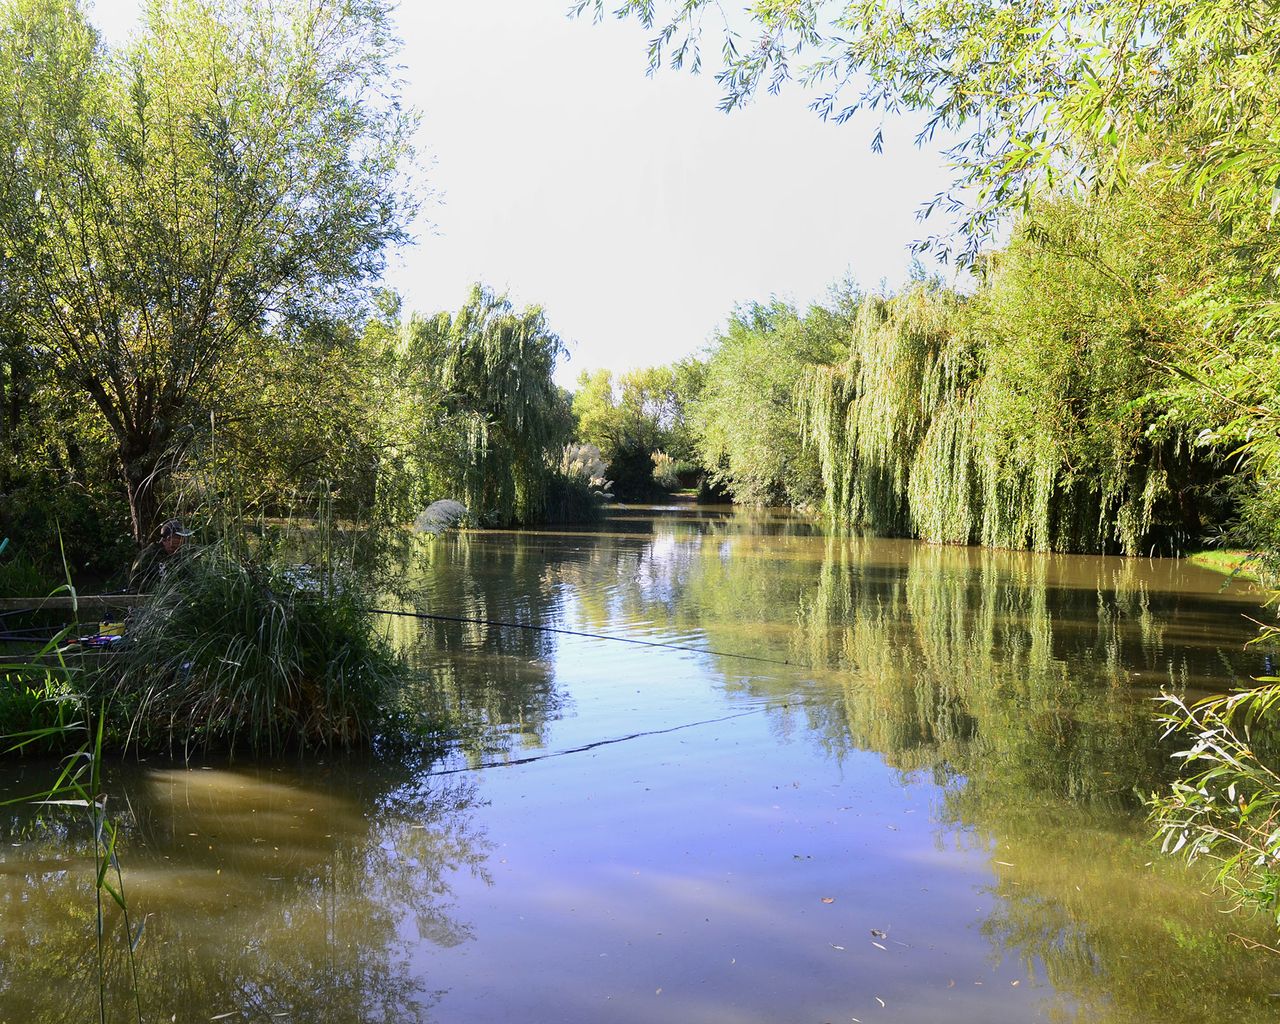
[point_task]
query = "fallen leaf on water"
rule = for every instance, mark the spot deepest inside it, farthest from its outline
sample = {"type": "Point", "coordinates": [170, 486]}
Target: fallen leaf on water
{"type": "Point", "coordinates": [828, 899]}
{"type": "Point", "coordinates": [1014, 983]}
{"type": "Point", "coordinates": [879, 934]}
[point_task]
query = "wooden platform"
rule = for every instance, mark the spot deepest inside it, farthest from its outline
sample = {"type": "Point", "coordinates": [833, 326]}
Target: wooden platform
{"type": "Point", "coordinates": [85, 604]}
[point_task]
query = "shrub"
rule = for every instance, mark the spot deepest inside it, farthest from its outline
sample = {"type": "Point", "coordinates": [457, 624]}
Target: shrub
{"type": "Point", "coordinates": [571, 500]}
{"type": "Point", "coordinates": [665, 474]}
{"type": "Point", "coordinates": [632, 472]}
{"type": "Point", "coordinates": [228, 651]}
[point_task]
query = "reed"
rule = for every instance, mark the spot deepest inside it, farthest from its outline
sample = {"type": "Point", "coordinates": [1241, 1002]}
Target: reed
{"type": "Point", "coordinates": [231, 652]}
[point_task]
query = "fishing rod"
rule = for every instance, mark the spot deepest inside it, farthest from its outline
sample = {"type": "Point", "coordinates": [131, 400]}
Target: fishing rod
{"type": "Point", "coordinates": [591, 636]}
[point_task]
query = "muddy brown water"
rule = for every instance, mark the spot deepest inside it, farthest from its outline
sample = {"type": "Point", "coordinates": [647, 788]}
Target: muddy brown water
{"type": "Point", "coordinates": [925, 806]}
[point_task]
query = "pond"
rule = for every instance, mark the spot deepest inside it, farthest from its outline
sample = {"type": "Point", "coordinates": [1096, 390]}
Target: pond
{"type": "Point", "coordinates": [832, 779]}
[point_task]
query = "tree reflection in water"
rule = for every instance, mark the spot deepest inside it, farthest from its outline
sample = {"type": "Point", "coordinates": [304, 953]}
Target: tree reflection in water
{"type": "Point", "coordinates": [267, 893]}
{"type": "Point", "coordinates": [493, 685]}
{"type": "Point", "coordinates": [1019, 683]}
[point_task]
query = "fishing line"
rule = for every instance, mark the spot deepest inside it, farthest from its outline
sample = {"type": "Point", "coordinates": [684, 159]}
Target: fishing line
{"type": "Point", "coordinates": [592, 636]}
{"type": "Point", "coordinates": [617, 739]}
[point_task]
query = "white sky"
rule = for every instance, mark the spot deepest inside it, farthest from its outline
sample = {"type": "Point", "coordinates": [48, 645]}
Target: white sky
{"type": "Point", "coordinates": [630, 208]}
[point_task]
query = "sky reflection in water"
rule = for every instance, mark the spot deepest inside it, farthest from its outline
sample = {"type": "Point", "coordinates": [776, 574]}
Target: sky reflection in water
{"type": "Point", "coordinates": [934, 807]}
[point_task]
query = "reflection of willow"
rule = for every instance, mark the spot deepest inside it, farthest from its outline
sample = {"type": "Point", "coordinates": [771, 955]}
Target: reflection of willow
{"type": "Point", "coordinates": [1021, 682]}
{"type": "Point", "coordinates": [975, 657]}
{"type": "Point", "coordinates": [493, 684]}
{"type": "Point", "coordinates": [945, 658]}
{"type": "Point", "coordinates": [1122, 934]}
{"type": "Point", "coordinates": [261, 898]}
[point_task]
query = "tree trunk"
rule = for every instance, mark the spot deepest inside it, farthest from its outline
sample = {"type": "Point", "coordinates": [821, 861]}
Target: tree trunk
{"type": "Point", "coordinates": [142, 484]}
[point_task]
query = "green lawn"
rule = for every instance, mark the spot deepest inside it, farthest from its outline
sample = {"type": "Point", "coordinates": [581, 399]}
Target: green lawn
{"type": "Point", "coordinates": [1241, 563]}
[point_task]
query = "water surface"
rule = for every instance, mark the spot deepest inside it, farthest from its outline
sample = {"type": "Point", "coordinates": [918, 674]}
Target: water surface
{"type": "Point", "coordinates": [916, 799]}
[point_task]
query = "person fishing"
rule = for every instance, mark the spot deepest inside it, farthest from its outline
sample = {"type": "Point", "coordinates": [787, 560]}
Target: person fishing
{"type": "Point", "coordinates": [158, 558]}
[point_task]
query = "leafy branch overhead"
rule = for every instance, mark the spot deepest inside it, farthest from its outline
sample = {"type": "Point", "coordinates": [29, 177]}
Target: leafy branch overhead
{"type": "Point", "coordinates": [1024, 95]}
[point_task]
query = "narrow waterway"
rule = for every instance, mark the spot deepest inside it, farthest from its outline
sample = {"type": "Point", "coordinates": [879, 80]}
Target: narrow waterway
{"type": "Point", "coordinates": [917, 798]}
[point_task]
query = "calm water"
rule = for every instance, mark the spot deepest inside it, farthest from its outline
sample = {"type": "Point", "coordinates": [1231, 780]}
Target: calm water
{"type": "Point", "coordinates": [923, 806]}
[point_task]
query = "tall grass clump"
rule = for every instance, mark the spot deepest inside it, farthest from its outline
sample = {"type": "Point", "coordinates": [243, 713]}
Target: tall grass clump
{"type": "Point", "coordinates": [20, 576]}
{"type": "Point", "coordinates": [230, 652]}
{"type": "Point", "coordinates": [39, 705]}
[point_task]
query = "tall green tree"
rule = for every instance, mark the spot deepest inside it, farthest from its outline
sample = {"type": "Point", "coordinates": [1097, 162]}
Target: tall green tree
{"type": "Point", "coordinates": [508, 417]}
{"type": "Point", "coordinates": [746, 418]}
{"type": "Point", "coordinates": [164, 206]}
{"type": "Point", "coordinates": [1056, 99]}
{"type": "Point", "coordinates": [645, 409]}
{"type": "Point", "coordinates": [347, 410]}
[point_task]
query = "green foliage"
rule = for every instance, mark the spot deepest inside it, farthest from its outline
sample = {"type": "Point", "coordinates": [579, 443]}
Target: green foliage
{"type": "Point", "coordinates": [20, 576]}
{"type": "Point", "coordinates": [636, 416]}
{"type": "Point", "coordinates": [867, 417]}
{"type": "Point", "coordinates": [233, 167]}
{"type": "Point", "coordinates": [39, 707]}
{"type": "Point", "coordinates": [642, 409]}
{"type": "Point", "coordinates": [1085, 104]}
{"type": "Point", "coordinates": [342, 409]}
{"type": "Point", "coordinates": [570, 499]}
{"type": "Point", "coordinates": [1038, 412]}
{"type": "Point", "coordinates": [745, 417]}
{"type": "Point", "coordinates": [631, 473]}
{"type": "Point", "coordinates": [506, 420]}
{"type": "Point", "coordinates": [1226, 808]}
{"type": "Point", "coordinates": [232, 652]}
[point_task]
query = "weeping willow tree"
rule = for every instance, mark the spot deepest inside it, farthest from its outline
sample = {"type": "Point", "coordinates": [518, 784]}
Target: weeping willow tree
{"type": "Point", "coordinates": [867, 415]}
{"type": "Point", "coordinates": [1034, 414]}
{"type": "Point", "coordinates": [926, 429]}
{"type": "Point", "coordinates": [507, 415]}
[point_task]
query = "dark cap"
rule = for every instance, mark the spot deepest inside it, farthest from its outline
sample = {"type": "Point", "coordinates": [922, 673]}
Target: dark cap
{"type": "Point", "coordinates": [174, 528]}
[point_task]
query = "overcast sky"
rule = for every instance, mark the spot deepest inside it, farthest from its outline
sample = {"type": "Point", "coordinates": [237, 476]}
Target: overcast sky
{"type": "Point", "coordinates": [630, 208]}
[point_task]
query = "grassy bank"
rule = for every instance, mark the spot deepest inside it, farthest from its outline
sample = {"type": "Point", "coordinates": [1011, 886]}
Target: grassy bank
{"type": "Point", "coordinates": [1244, 565]}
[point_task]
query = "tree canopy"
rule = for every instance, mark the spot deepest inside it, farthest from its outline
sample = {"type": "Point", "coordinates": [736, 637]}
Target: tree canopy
{"type": "Point", "coordinates": [164, 205]}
